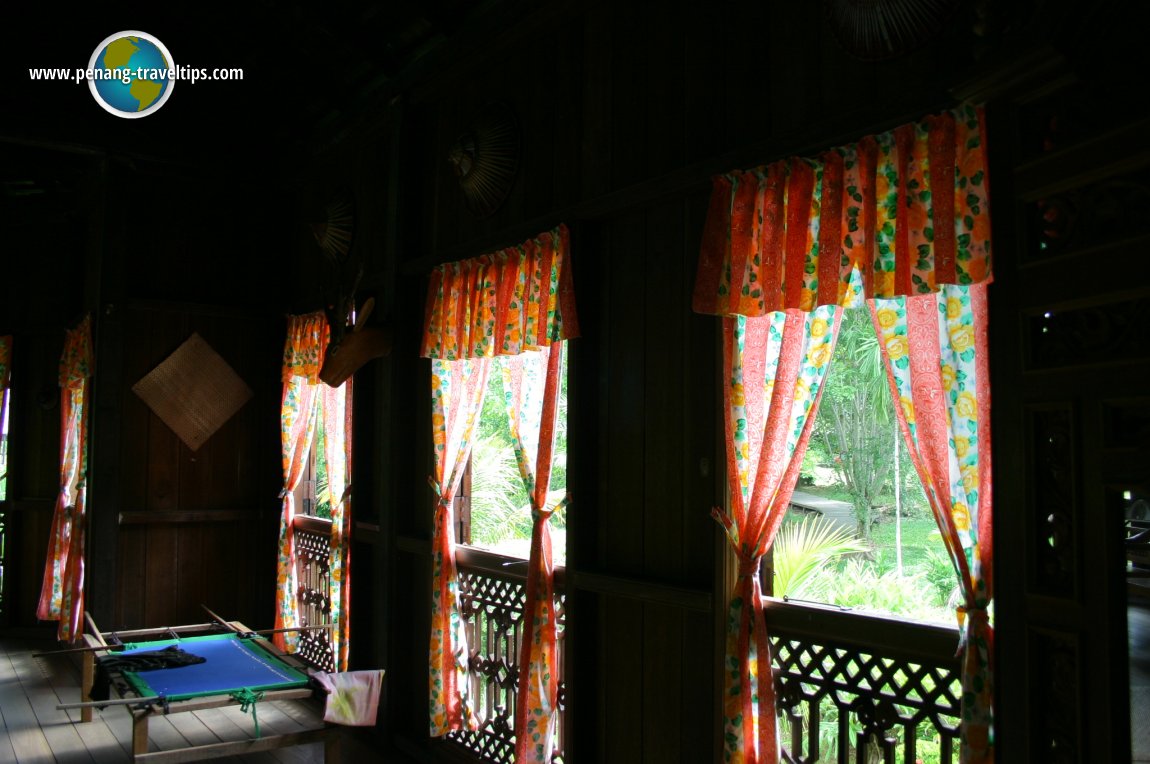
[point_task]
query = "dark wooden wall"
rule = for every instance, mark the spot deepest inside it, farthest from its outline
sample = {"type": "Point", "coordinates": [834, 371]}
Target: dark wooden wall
{"type": "Point", "coordinates": [192, 525]}
{"type": "Point", "coordinates": [155, 251]}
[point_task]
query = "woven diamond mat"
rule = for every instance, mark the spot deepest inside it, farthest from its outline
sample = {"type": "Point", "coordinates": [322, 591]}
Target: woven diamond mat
{"type": "Point", "coordinates": [193, 391]}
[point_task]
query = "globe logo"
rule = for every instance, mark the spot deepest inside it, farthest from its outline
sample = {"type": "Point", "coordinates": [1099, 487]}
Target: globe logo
{"type": "Point", "coordinates": [130, 74]}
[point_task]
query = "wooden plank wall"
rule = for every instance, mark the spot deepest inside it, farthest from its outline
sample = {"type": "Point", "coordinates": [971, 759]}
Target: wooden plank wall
{"type": "Point", "coordinates": [194, 523]}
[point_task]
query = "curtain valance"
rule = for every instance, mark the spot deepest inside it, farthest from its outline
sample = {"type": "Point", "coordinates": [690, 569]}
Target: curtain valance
{"type": "Point", "coordinates": [5, 360]}
{"type": "Point", "coordinates": [906, 208]}
{"type": "Point", "coordinates": [503, 303]}
{"type": "Point", "coordinates": [307, 339]}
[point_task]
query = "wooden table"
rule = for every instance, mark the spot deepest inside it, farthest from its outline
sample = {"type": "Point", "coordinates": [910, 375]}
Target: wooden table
{"type": "Point", "coordinates": [145, 707]}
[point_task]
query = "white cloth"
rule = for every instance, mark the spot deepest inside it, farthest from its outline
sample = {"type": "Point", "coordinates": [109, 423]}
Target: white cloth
{"type": "Point", "coordinates": [353, 696]}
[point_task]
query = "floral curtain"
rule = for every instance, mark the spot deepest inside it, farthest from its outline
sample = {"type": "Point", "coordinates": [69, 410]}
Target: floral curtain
{"type": "Point", "coordinates": [62, 592]}
{"type": "Point", "coordinates": [934, 348]}
{"type": "Point", "coordinates": [509, 302]}
{"type": "Point", "coordinates": [899, 213]}
{"type": "Point", "coordinates": [906, 209]}
{"type": "Point", "coordinates": [336, 406]}
{"type": "Point", "coordinates": [5, 362]}
{"type": "Point", "coordinates": [5, 372]}
{"type": "Point", "coordinates": [456, 397]}
{"type": "Point", "coordinates": [531, 384]}
{"type": "Point", "coordinates": [776, 365]}
{"type": "Point", "coordinates": [304, 349]}
{"type": "Point", "coordinates": [503, 303]}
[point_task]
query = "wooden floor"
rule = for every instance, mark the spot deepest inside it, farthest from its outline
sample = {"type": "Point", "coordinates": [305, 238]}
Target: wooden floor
{"type": "Point", "coordinates": [33, 731]}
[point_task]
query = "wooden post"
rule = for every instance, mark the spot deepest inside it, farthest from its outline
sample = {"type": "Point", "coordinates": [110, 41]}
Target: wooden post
{"type": "Point", "coordinates": [88, 670]}
{"type": "Point", "coordinates": [139, 734]}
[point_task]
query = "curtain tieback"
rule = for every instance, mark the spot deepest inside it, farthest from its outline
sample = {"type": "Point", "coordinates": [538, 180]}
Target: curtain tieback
{"type": "Point", "coordinates": [749, 565]}
{"type": "Point", "coordinates": [545, 514]}
{"type": "Point", "coordinates": [979, 621]}
{"type": "Point", "coordinates": [284, 494]}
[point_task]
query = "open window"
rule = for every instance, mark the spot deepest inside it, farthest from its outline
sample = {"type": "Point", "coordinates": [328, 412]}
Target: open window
{"type": "Point", "coordinates": [859, 533]}
{"type": "Point", "coordinates": [313, 576]}
{"type": "Point", "coordinates": [901, 220]}
{"type": "Point", "coordinates": [492, 509]}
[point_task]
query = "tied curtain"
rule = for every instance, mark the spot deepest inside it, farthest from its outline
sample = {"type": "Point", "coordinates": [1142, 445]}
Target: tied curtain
{"type": "Point", "coordinates": [307, 402]}
{"type": "Point", "coordinates": [62, 592]}
{"type": "Point", "coordinates": [531, 383]}
{"type": "Point", "coordinates": [900, 213]}
{"type": "Point", "coordinates": [456, 398]}
{"type": "Point", "coordinates": [5, 373]}
{"type": "Point", "coordinates": [775, 365]}
{"type": "Point", "coordinates": [517, 302]}
{"type": "Point", "coordinates": [934, 349]}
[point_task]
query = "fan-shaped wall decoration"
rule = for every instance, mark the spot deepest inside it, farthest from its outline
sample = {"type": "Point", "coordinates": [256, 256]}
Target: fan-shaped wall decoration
{"type": "Point", "coordinates": [486, 158]}
{"type": "Point", "coordinates": [335, 227]}
{"type": "Point", "coordinates": [876, 29]}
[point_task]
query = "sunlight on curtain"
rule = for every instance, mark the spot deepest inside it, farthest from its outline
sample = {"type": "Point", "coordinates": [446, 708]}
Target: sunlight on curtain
{"type": "Point", "coordinates": [900, 213]}
{"type": "Point", "coordinates": [62, 592]}
{"type": "Point", "coordinates": [5, 375]}
{"type": "Point", "coordinates": [776, 365]}
{"type": "Point", "coordinates": [511, 302]}
{"type": "Point", "coordinates": [336, 406]}
{"type": "Point", "coordinates": [934, 349]}
{"type": "Point", "coordinates": [531, 383]}
{"type": "Point", "coordinates": [457, 395]}
{"type": "Point", "coordinates": [304, 349]}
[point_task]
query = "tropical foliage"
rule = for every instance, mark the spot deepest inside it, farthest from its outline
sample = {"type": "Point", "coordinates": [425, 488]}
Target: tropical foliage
{"type": "Point", "coordinates": [500, 508]}
{"type": "Point", "coordinates": [803, 549]}
{"type": "Point", "coordinates": [856, 424]}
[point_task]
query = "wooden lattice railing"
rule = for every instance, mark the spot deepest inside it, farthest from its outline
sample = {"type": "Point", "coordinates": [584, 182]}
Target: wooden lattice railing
{"type": "Point", "coordinates": [863, 689]}
{"type": "Point", "coordinates": [313, 552]}
{"type": "Point", "coordinates": [493, 590]}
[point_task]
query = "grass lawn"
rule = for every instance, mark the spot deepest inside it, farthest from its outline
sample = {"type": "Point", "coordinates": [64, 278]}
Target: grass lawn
{"type": "Point", "coordinates": [917, 536]}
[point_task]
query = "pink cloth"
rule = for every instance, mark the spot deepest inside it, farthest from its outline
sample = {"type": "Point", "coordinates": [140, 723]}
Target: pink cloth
{"type": "Point", "coordinates": [353, 696]}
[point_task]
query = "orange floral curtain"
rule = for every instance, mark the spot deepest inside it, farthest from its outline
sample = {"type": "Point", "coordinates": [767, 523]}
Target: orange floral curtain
{"type": "Point", "coordinates": [336, 406]}
{"type": "Point", "coordinates": [519, 298]}
{"type": "Point", "coordinates": [304, 349]}
{"type": "Point", "coordinates": [531, 383]}
{"type": "Point", "coordinates": [456, 398]}
{"type": "Point", "coordinates": [62, 591]}
{"type": "Point", "coordinates": [900, 213]}
{"type": "Point", "coordinates": [5, 361]}
{"type": "Point", "coordinates": [934, 348]}
{"type": "Point", "coordinates": [505, 303]}
{"type": "Point", "coordinates": [5, 373]}
{"type": "Point", "coordinates": [906, 209]}
{"type": "Point", "coordinates": [776, 366]}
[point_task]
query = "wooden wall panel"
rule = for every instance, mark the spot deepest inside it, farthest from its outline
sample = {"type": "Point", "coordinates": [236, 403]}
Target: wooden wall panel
{"type": "Point", "coordinates": [597, 100]}
{"type": "Point", "coordinates": [621, 690]}
{"type": "Point", "coordinates": [629, 64]}
{"type": "Point", "coordinates": [165, 569]}
{"type": "Point", "coordinates": [664, 366]}
{"type": "Point", "coordinates": [622, 421]}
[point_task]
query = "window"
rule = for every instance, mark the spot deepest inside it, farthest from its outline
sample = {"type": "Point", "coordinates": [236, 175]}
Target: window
{"type": "Point", "coordinates": [492, 510]}
{"type": "Point", "coordinates": [311, 495]}
{"type": "Point", "coordinates": [859, 532]}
